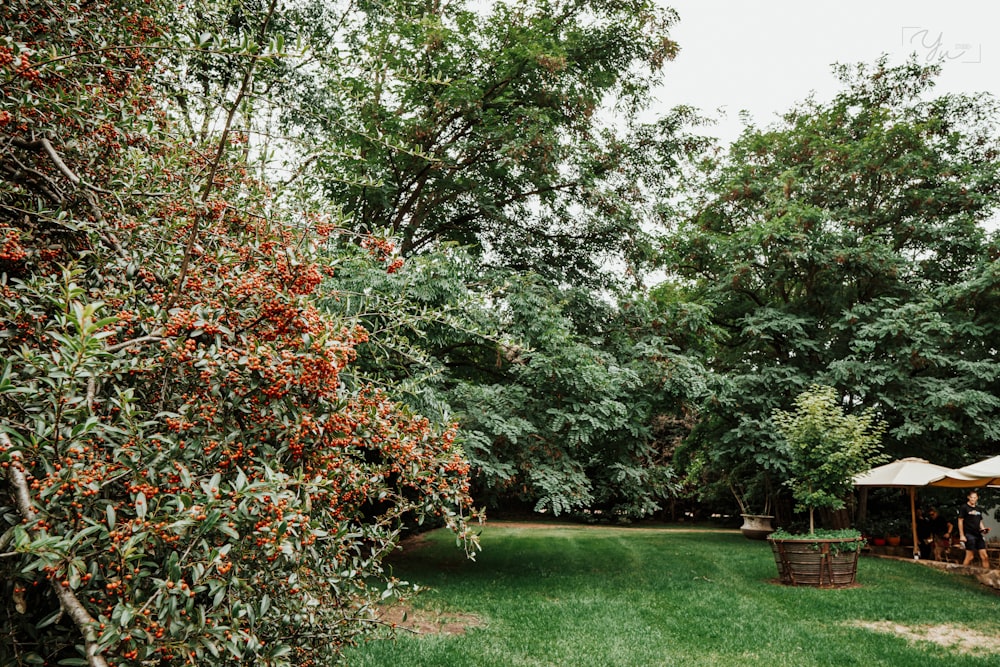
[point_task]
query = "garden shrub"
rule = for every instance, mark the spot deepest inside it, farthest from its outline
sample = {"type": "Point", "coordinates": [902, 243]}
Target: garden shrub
{"type": "Point", "coordinates": [185, 479]}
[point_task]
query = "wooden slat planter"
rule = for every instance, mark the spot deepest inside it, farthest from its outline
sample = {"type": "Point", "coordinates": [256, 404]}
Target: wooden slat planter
{"type": "Point", "coordinates": [812, 562]}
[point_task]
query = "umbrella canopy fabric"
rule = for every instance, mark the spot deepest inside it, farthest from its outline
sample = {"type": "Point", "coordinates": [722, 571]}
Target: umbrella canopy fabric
{"type": "Point", "coordinates": [986, 471]}
{"type": "Point", "coordinates": [909, 473]}
{"type": "Point", "coordinates": [912, 472]}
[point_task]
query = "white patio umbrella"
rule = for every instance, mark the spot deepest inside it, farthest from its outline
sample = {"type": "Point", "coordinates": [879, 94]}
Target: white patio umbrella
{"type": "Point", "coordinates": [987, 471]}
{"type": "Point", "coordinates": [911, 472]}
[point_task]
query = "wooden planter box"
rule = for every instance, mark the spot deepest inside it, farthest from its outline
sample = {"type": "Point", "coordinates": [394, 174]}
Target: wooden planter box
{"type": "Point", "coordinates": [812, 562]}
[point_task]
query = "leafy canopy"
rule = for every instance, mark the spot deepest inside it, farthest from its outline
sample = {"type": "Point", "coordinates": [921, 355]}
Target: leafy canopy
{"type": "Point", "coordinates": [846, 245]}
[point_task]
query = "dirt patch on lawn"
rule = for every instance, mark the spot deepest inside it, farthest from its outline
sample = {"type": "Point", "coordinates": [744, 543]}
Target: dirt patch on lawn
{"type": "Point", "coordinates": [955, 637]}
{"type": "Point", "coordinates": [426, 622]}
{"type": "Point", "coordinates": [413, 541]}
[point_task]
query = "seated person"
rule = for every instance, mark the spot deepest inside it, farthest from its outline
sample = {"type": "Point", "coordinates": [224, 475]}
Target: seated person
{"type": "Point", "coordinates": [940, 529]}
{"type": "Point", "coordinates": [925, 535]}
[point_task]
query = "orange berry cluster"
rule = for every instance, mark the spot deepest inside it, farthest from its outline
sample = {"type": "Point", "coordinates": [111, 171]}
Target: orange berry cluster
{"type": "Point", "coordinates": [11, 249]}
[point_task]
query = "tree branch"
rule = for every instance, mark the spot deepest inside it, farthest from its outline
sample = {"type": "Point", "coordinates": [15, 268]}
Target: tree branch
{"type": "Point", "coordinates": [67, 599]}
{"type": "Point", "coordinates": [91, 393]}
{"type": "Point", "coordinates": [88, 189]}
{"type": "Point", "coordinates": [143, 47]}
{"type": "Point", "coordinates": [58, 161]}
{"type": "Point", "coordinates": [217, 161]}
{"type": "Point", "coordinates": [134, 341]}
{"type": "Point", "coordinates": [45, 184]}
{"type": "Point", "coordinates": [46, 145]}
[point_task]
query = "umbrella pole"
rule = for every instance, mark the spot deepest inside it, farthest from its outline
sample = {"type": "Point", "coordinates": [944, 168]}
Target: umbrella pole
{"type": "Point", "coordinates": [913, 522]}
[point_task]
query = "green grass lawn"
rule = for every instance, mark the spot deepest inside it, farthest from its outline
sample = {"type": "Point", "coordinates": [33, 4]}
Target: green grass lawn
{"type": "Point", "coordinates": [579, 595]}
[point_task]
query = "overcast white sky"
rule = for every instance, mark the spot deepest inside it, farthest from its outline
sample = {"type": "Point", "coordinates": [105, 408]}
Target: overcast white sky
{"type": "Point", "coordinates": [763, 56]}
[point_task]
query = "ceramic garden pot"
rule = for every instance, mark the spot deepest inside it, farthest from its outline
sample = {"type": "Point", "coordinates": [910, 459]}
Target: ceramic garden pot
{"type": "Point", "coordinates": [757, 526]}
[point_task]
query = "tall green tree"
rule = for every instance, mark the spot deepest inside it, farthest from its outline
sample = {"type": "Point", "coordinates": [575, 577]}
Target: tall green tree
{"type": "Point", "coordinates": [846, 245]}
{"type": "Point", "coordinates": [566, 402]}
{"type": "Point", "coordinates": [501, 130]}
{"type": "Point", "coordinates": [506, 133]}
{"type": "Point", "coordinates": [584, 413]}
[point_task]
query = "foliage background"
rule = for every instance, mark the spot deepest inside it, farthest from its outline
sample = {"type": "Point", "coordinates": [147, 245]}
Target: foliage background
{"type": "Point", "coordinates": [291, 279]}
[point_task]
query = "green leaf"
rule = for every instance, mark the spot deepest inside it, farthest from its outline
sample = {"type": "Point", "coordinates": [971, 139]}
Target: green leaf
{"type": "Point", "coordinates": [50, 619]}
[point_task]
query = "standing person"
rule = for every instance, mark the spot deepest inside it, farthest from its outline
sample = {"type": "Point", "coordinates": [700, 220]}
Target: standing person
{"type": "Point", "coordinates": [941, 533]}
{"type": "Point", "coordinates": [971, 531]}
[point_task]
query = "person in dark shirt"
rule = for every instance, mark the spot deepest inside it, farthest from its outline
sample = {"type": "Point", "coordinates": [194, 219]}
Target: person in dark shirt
{"type": "Point", "coordinates": [940, 533]}
{"type": "Point", "coordinates": [972, 532]}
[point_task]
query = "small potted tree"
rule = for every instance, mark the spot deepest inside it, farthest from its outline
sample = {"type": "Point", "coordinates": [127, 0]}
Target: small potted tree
{"type": "Point", "coordinates": [826, 448]}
